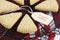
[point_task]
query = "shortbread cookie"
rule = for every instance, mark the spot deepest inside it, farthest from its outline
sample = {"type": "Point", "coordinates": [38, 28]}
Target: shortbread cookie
{"type": "Point", "coordinates": [9, 20]}
{"type": "Point", "coordinates": [26, 25]}
{"type": "Point", "coordinates": [48, 5]}
{"type": "Point", "coordinates": [22, 1]}
{"type": "Point", "coordinates": [6, 6]}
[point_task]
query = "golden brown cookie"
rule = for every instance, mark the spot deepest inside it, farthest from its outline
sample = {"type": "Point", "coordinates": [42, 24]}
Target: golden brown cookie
{"type": "Point", "coordinates": [48, 5]}
{"type": "Point", "coordinates": [6, 6]}
{"type": "Point", "coordinates": [9, 20]}
{"type": "Point", "coordinates": [27, 25]}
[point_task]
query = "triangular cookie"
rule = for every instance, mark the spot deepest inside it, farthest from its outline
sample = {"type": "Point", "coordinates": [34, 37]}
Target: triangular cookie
{"type": "Point", "coordinates": [19, 1]}
{"type": "Point", "coordinates": [48, 5]}
{"type": "Point", "coordinates": [33, 1]}
{"type": "Point", "coordinates": [26, 25]}
{"type": "Point", "coordinates": [6, 6]}
{"type": "Point", "coordinates": [9, 20]}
